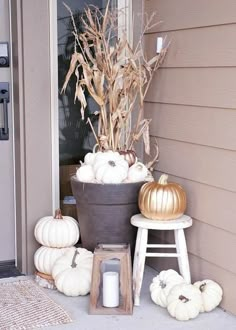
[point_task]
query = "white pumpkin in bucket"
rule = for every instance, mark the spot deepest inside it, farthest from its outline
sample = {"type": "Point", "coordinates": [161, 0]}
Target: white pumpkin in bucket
{"type": "Point", "coordinates": [90, 157]}
{"type": "Point", "coordinates": [85, 173]}
{"type": "Point", "coordinates": [110, 167]}
{"type": "Point", "coordinates": [137, 172]}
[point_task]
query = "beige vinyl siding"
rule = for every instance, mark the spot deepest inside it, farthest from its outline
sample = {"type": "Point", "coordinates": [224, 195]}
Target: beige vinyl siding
{"type": "Point", "coordinates": [187, 14]}
{"type": "Point", "coordinates": [192, 103]}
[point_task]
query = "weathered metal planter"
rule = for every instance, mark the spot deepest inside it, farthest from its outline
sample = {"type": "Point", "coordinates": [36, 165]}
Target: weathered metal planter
{"type": "Point", "coordinates": [104, 212]}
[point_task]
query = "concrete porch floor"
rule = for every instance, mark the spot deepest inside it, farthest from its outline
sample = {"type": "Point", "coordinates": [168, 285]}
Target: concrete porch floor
{"type": "Point", "coordinates": [146, 316]}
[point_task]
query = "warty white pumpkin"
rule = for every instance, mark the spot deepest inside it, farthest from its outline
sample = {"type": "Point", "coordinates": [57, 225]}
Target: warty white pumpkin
{"type": "Point", "coordinates": [110, 167]}
{"type": "Point", "coordinates": [90, 157]}
{"type": "Point", "coordinates": [184, 302]}
{"type": "Point", "coordinates": [137, 172]}
{"type": "Point", "coordinates": [211, 293]}
{"type": "Point", "coordinates": [72, 272]}
{"type": "Point", "coordinates": [162, 284]}
{"type": "Point", "coordinates": [85, 173]}
{"type": "Point", "coordinates": [58, 231]}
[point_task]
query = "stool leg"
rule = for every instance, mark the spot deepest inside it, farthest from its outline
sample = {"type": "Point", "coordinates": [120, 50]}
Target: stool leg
{"type": "Point", "coordinates": [181, 248]}
{"type": "Point", "coordinates": [136, 254]}
{"type": "Point", "coordinates": [139, 263]}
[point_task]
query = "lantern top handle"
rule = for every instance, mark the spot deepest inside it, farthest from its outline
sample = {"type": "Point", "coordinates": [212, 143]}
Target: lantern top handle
{"type": "Point", "coordinates": [112, 247]}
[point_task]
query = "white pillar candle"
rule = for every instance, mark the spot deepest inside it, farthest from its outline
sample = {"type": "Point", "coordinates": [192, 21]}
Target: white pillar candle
{"type": "Point", "coordinates": [110, 289]}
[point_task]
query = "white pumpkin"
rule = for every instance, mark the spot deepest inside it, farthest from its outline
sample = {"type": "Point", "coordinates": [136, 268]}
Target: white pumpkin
{"type": "Point", "coordinates": [137, 172]}
{"type": "Point", "coordinates": [58, 231]}
{"type": "Point", "coordinates": [110, 167]}
{"type": "Point", "coordinates": [162, 284]}
{"type": "Point", "coordinates": [72, 272]}
{"type": "Point", "coordinates": [184, 302]}
{"type": "Point", "coordinates": [85, 173]}
{"type": "Point", "coordinates": [90, 157]}
{"type": "Point", "coordinates": [45, 257]}
{"type": "Point", "coordinates": [149, 177]}
{"type": "Point", "coordinates": [211, 293]}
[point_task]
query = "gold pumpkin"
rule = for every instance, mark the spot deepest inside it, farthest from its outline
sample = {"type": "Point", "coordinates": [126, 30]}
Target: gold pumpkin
{"type": "Point", "coordinates": [162, 200]}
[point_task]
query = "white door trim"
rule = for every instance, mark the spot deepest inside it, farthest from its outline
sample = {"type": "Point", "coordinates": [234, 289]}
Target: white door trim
{"type": "Point", "coordinates": [54, 105]}
{"type": "Point", "coordinates": [12, 115]}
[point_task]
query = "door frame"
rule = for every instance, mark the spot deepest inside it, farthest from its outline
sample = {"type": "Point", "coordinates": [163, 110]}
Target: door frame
{"type": "Point", "coordinates": [125, 22]}
{"type": "Point", "coordinates": [36, 118]}
{"type": "Point", "coordinates": [31, 70]}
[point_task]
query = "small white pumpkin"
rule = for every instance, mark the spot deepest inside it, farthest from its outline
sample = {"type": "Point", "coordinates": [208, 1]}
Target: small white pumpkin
{"type": "Point", "coordinates": [110, 167]}
{"type": "Point", "coordinates": [149, 177]}
{"type": "Point", "coordinates": [45, 257]}
{"type": "Point", "coordinates": [137, 172]}
{"type": "Point", "coordinates": [211, 293]}
{"type": "Point", "coordinates": [73, 272]}
{"type": "Point", "coordinates": [184, 302]}
{"type": "Point", "coordinates": [58, 231]}
{"type": "Point", "coordinates": [162, 284]}
{"type": "Point", "coordinates": [90, 157]}
{"type": "Point", "coordinates": [85, 173]}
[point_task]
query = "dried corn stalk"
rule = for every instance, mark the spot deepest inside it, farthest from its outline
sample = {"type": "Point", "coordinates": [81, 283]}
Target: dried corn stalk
{"type": "Point", "coordinates": [116, 76]}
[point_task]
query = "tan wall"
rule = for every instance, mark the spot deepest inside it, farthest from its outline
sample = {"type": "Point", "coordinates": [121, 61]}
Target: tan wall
{"type": "Point", "coordinates": [192, 103]}
{"type": "Point", "coordinates": [31, 76]}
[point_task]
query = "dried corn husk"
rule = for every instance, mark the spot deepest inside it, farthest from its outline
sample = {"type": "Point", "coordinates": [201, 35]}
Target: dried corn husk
{"type": "Point", "coordinates": [116, 75]}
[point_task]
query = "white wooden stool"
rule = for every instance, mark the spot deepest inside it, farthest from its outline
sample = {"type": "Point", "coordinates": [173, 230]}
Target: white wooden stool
{"type": "Point", "coordinates": [141, 246]}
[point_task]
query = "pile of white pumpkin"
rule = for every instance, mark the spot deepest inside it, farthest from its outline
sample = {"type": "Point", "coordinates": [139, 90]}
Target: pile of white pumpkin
{"type": "Point", "coordinates": [184, 301]}
{"type": "Point", "coordinates": [70, 267]}
{"type": "Point", "coordinates": [112, 167]}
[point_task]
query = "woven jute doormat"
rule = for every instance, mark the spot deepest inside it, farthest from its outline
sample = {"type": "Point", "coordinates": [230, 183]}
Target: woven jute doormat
{"type": "Point", "coordinates": [24, 305]}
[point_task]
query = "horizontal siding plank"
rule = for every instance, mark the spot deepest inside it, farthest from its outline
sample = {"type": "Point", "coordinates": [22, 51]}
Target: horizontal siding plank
{"type": "Point", "coordinates": [206, 126]}
{"type": "Point", "coordinates": [211, 87]}
{"type": "Point", "coordinates": [213, 206]}
{"type": "Point", "coordinates": [200, 270]}
{"type": "Point", "coordinates": [204, 47]}
{"type": "Point", "coordinates": [215, 167]}
{"type": "Point", "coordinates": [209, 243]}
{"type": "Point", "coordinates": [190, 13]}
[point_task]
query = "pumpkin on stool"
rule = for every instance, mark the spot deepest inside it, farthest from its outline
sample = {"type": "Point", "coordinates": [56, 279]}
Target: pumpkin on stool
{"type": "Point", "coordinates": [162, 200]}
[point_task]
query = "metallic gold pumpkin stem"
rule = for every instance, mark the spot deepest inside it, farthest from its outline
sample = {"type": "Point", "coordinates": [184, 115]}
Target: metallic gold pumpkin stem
{"type": "Point", "coordinates": [163, 179]}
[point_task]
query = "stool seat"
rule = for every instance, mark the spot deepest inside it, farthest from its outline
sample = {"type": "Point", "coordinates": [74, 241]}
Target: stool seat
{"type": "Point", "coordinates": [141, 246]}
{"type": "Point", "coordinates": [138, 220]}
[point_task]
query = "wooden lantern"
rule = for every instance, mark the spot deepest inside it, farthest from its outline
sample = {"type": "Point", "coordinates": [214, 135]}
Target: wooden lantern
{"type": "Point", "coordinates": [105, 254]}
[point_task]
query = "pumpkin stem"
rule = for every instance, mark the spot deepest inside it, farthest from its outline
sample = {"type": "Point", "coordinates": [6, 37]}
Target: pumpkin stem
{"type": "Point", "coordinates": [162, 284]}
{"type": "Point", "coordinates": [202, 287]}
{"type": "Point", "coordinates": [58, 214]}
{"type": "Point", "coordinates": [163, 179]}
{"type": "Point", "coordinates": [183, 299]}
{"type": "Point", "coordinates": [112, 163]}
{"type": "Point", "coordinates": [73, 263]}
